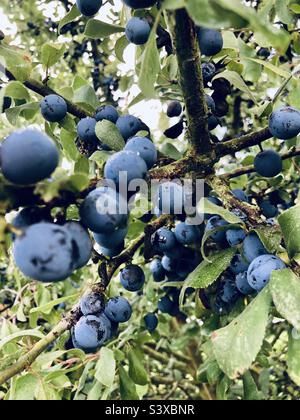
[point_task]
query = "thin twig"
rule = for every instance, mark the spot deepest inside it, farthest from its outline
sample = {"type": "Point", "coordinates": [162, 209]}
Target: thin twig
{"type": "Point", "coordinates": [250, 168]}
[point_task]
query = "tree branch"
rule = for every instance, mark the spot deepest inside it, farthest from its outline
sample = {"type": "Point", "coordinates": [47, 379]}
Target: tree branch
{"type": "Point", "coordinates": [243, 142]}
{"type": "Point", "coordinates": [191, 80]}
{"type": "Point", "coordinates": [125, 256]}
{"type": "Point", "coordinates": [165, 359]}
{"type": "Point", "coordinates": [231, 202]}
{"type": "Point", "coordinates": [200, 165]}
{"type": "Point", "coordinates": [44, 90]}
{"type": "Point", "coordinates": [27, 360]}
{"type": "Point", "coordinates": [250, 168]}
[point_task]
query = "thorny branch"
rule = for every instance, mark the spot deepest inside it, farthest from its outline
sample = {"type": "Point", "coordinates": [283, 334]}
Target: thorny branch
{"type": "Point", "coordinates": [199, 161]}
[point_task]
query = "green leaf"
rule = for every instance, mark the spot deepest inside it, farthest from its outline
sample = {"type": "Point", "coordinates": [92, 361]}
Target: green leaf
{"type": "Point", "coordinates": [223, 388]}
{"type": "Point", "coordinates": [173, 4]}
{"type": "Point", "coordinates": [26, 333]}
{"type": "Point", "coordinates": [70, 17]}
{"type": "Point", "coordinates": [82, 166]}
{"type": "Point", "coordinates": [67, 140]}
{"type": "Point", "coordinates": [47, 308]}
{"type": "Point", "coordinates": [82, 380]}
{"type": "Point", "coordinates": [235, 14]}
{"type": "Point", "coordinates": [293, 359]}
{"type": "Point", "coordinates": [170, 150]}
{"type": "Point", "coordinates": [120, 46]}
{"type": "Point", "coordinates": [270, 236]}
{"type": "Point", "coordinates": [96, 392]}
{"type": "Point", "coordinates": [87, 97]}
{"type": "Point", "coordinates": [207, 207]}
{"type": "Point", "coordinates": [236, 80]}
{"type": "Point", "coordinates": [200, 309]}
{"type": "Point", "coordinates": [46, 392]}
{"type": "Point", "coordinates": [16, 61]}
{"type": "Point", "coordinates": [150, 65]}
{"type": "Point", "coordinates": [51, 54]}
{"type": "Point", "coordinates": [127, 386]}
{"type": "Point", "coordinates": [68, 123]}
{"type": "Point", "coordinates": [106, 367]}
{"type": "Point", "coordinates": [283, 12]}
{"type": "Point", "coordinates": [251, 393]}
{"type": "Point", "coordinates": [17, 90]}
{"type": "Point", "coordinates": [50, 189]}
{"type": "Point", "coordinates": [270, 66]}
{"type": "Point", "coordinates": [28, 111]}
{"type": "Point", "coordinates": [213, 372]}
{"type": "Point", "coordinates": [252, 71]}
{"type": "Point", "coordinates": [96, 29]}
{"type": "Point", "coordinates": [140, 97]}
{"type": "Point", "coordinates": [100, 157]}
{"type": "Point", "coordinates": [137, 372]}
{"type": "Point", "coordinates": [24, 388]}
{"type": "Point", "coordinates": [295, 8]}
{"type": "Point", "coordinates": [208, 272]}
{"type": "Point", "coordinates": [108, 133]}
{"type": "Point", "coordinates": [237, 345]}
{"type": "Point", "coordinates": [210, 14]}
{"type": "Point", "coordinates": [290, 225]}
{"type": "Point", "coordinates": [77, 182]}
{"type": "Point", "coordinates": [263, 29]}
{"type": "Point", "coordinates": [78, 82]}
{"type": "Point", "coordinates": [285, 291]}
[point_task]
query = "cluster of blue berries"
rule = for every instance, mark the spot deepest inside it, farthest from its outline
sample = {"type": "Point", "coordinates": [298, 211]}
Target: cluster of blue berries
{"type": "Point", "coordinates": [100, 321]}
{"type": "Point", "coordinates": [250, 269]}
